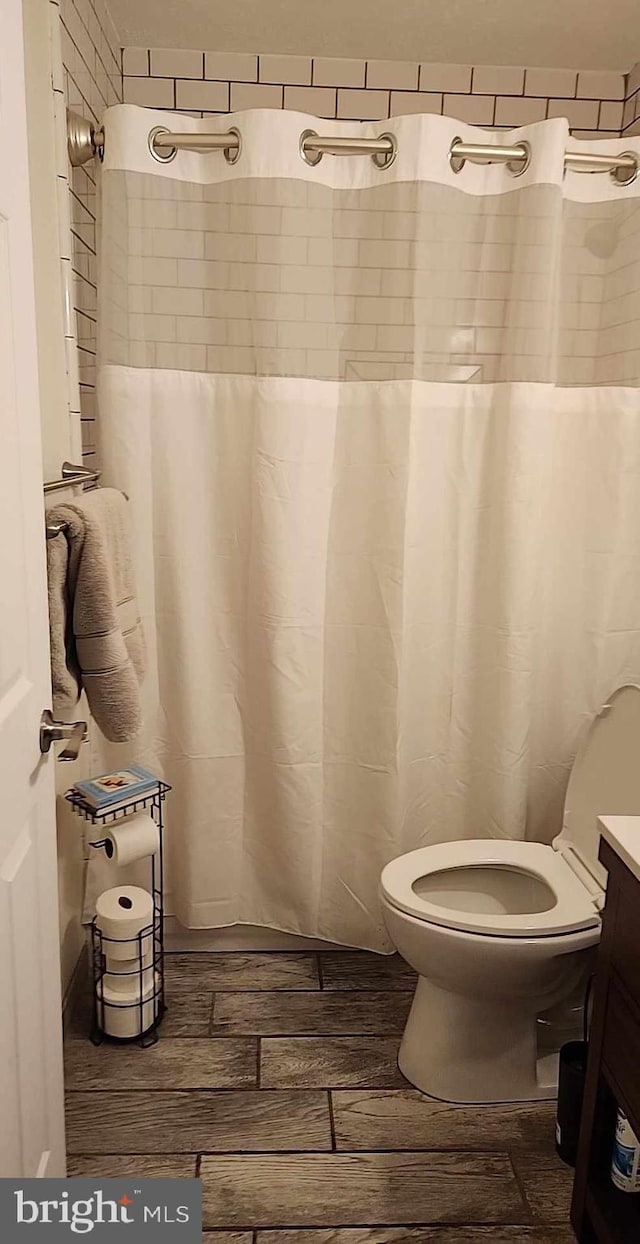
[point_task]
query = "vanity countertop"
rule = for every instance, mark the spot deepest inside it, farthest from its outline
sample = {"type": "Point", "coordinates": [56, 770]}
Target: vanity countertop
{"type": "Point", "coordinates": [623, 835]}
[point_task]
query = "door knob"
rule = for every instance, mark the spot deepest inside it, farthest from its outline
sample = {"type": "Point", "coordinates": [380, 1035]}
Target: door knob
{"type": "Point", "coordinates": [52, 731]}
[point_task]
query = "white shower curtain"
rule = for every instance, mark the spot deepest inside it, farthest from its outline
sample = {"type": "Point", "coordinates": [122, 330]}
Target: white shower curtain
{"type": "Point", "coordinates": [380, 432]}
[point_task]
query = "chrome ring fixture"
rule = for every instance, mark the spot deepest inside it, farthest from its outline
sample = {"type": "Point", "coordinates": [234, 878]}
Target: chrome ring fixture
{"type": "Point", "coordinates": [383, 159]}
{"type": "Point", "coordinates": [163, 156]}
{"type": "Point", "coordinates": [232, 154]}
{"type": "Point", "coordinates": [518, 167]}
{"type": "Point", "coordinates": [456, 163]}
{"type": "Point", "coordinates": [624, 175]}
{"type": "Point", "coordinates": [309, 157]}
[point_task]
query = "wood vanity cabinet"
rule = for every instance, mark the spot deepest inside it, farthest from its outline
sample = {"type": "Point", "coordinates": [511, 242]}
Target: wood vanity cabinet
{"type": "Point", "coordinates": [599, 1211]}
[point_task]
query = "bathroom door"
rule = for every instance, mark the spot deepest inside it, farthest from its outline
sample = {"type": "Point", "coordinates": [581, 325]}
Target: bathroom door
{"type": "Point", "coordinates": [31, 1098]}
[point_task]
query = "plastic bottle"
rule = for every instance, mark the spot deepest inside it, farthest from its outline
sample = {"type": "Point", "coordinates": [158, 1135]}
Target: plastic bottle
{"type": "Point", "coordinates": [625, 1161]}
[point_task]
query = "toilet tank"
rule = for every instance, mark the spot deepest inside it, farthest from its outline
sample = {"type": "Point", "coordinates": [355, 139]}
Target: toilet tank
{"type": "Point", "coordinates": [605, 778]}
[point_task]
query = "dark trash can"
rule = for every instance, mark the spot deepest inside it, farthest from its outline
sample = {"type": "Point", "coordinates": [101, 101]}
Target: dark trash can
{"type": "Point", "coordinates": [571, 1077]}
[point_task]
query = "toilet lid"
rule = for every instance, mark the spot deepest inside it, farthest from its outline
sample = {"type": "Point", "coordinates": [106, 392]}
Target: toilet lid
{"type": "Point", "coordinates": [605, 778]}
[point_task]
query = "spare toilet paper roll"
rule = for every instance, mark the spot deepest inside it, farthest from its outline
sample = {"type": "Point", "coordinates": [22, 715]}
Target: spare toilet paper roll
{"type": "Point", "coordinates": [125, 967]}
{"type": "Point", "coordinates": [133, 839]}
{"type": "Point", "coordinates": [122, 1016]}
{"type": "Point", "coordinates": [127, 986]}
{"type": "Point", "coordinates": [121, 914]}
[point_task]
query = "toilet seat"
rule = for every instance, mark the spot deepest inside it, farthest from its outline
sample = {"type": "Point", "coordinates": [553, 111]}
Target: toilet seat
{"type": "Point", "coordinates": [604, 781]}
{"type": "Point", "coordinates": [575, 907]}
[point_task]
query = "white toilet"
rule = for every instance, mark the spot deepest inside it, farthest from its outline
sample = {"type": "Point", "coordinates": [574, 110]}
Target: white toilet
{"type": "Point", "coordinates": [500, 932]}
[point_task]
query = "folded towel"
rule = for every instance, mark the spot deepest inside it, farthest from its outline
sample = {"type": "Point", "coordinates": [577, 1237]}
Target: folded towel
{"type": "Point", "coordinates": [97, 642]}
{"type": "Point", "coordinates": [66, 681]}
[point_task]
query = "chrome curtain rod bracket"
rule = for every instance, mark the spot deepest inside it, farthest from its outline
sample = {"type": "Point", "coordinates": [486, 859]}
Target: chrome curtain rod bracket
{"type": "Point", "coordinates": [84, 141]}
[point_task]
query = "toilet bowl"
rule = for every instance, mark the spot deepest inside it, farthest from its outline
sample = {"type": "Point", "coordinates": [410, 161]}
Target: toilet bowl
{"type": "Point", "coordinates": [500, 932]}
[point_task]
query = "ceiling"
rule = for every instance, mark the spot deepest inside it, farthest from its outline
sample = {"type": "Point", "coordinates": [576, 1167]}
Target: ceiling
{"type": "Point", "coordinates": [581, 34]}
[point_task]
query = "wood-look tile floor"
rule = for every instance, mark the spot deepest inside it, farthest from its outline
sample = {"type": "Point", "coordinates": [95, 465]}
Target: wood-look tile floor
{"type": "Point", "coordinates": [275, 1080]}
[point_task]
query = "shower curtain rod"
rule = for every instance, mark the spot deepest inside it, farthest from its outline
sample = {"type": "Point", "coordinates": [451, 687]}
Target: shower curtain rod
{"type": "Point", "coordinates": [85, 142]}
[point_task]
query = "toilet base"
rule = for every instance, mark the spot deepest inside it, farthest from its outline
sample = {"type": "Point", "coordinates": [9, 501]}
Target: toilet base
{"type": "Point", "coordinates": [463, 1049]}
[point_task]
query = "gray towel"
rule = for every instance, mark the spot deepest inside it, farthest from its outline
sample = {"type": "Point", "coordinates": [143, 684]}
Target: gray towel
{"type": "Point", "coordinates": [97, 642]}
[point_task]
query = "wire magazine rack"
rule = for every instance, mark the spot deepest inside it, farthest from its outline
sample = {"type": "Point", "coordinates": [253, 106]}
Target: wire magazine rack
{"type": "Point", "coordinates": [143, 1015]}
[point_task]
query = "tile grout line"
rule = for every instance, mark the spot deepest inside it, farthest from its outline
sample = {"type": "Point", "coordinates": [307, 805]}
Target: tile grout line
{"type": "Point", "coordinates": [272, 1035]}
{"type": "Point", "coordinates": [246, 1089]}
{"type": "Point", "coordinates": [521, 1188]}
{"type": "Point", "coordinates": [80, 1037]}
{"type": "Point", "coordinates": [332, 1122]}
{"type": "Point", "coordinates": [447, 1224]}
{"type": "Point", "coordinates": [327, 1153]}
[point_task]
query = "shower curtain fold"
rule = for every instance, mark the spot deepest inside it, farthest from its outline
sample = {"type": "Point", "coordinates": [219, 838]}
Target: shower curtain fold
{"type": "Point", "coordinates": [379, 430]}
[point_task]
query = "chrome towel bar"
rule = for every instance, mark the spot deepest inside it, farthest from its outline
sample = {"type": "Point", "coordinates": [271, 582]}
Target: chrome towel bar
{"type": "Point", "coordinates": [70, 476]}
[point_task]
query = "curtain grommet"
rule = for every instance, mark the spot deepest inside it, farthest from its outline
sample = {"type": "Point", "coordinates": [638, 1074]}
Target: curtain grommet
{"type": "Point", "coordinates": [384, 159]}
{"type": "Point", "coordinates": [625, 176]}
{"type": "Point", "coordinates": [518, 167]}
{"type": "Point", "coordinates": [456, 163]}
{"type": "Point", "coordinates": [309, 157]}
{"type": "Point", "coordinates": [232, 154]}
{"type": "Point", "coordinates": [163, 157]}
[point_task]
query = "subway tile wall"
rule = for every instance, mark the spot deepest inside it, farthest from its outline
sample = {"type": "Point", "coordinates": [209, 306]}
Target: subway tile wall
{"type": "Point", "coordinates": [370, 90]}
{"type": "Point", "coordinates": [399, 281]}
{"type": "Point", "coordinates": [91, 59]}
{"type": "Point", "coordinates": [65, 247]}
{"type": "Point", "coordinates": [631, 110]}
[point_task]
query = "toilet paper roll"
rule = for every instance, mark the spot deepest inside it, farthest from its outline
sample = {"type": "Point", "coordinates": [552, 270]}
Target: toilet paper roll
{"type": "Point", "coordinates": [133, 839]}
{"type": "Point", "coordinates": [127, 986]}
{"type": "Point", "coordinates": [121, 914]}
{"type": "Point", "coordinates": [124, 1017]}
{"type": "Point", "coordinates": [125, 967]}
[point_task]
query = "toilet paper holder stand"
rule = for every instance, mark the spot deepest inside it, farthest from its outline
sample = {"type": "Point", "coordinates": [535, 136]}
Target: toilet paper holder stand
{"type": "Point", "coordinates": [150, 1008]}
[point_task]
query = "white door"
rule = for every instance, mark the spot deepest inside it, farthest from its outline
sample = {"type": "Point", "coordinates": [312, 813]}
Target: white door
{"type": "Point", "coordinates": [31, 1098]}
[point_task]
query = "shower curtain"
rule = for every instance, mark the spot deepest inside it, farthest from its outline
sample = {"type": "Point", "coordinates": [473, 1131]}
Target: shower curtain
{"type": "Point", "coordinates": [380, 433]}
